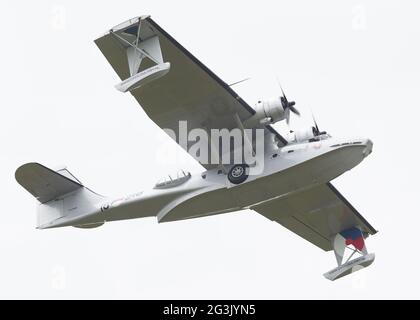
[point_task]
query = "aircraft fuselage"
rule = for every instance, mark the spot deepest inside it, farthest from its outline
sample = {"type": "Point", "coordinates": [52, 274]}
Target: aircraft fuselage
{"type": "Point", "coordinates": [288, 169]}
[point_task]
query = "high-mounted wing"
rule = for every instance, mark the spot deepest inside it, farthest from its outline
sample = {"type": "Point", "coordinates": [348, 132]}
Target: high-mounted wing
{"type": "Point", "coordinates": [316, 214]}
{"type": "Point", "coordinates": [188, 91]}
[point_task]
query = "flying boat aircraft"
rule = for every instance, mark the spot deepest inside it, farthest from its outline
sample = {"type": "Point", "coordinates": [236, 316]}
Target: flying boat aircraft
{"type": "Point", "coordinates": [289, 183]}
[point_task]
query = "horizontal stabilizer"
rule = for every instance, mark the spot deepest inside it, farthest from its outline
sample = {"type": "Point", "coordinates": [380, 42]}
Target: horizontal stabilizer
{"type": "Point", "coordinates": [43, 183]}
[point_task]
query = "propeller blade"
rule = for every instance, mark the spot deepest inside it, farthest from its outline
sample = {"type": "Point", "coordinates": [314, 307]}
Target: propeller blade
{"type": "Point", "coordinates": [287, 111]}
{"type": "Point", "coordinates": [282, 92]}
{"type": "Point", "coordinates": [316, 125]}
{"type": "Point", "coordinates": [294, 110]}
{"type": "Point", "coordinates": [278, 83]}
{"type": "Point", "coordinates": [287, 106]}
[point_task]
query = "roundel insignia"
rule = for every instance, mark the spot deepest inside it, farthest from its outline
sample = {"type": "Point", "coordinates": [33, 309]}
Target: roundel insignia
{"type": "Point", "coordinates": [317, 145]}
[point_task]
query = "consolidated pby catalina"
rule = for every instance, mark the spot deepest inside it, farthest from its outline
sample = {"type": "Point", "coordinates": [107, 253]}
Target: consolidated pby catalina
{"type": "Point", "coordinates": [289, 183]}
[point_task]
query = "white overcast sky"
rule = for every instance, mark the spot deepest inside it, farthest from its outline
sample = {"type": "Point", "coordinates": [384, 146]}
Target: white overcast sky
{"type": "Point", "coordinates": [354, 63]}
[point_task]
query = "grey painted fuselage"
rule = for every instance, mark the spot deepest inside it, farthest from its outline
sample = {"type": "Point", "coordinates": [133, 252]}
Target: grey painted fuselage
{"type": "Point", "coordinates": [286, 170]}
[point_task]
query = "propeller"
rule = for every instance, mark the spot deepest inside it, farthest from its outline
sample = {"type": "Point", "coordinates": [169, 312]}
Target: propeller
{"type": "Point", "coordinates": [315, 129]}
{"type": "Point", "coordinates": [287, 105]}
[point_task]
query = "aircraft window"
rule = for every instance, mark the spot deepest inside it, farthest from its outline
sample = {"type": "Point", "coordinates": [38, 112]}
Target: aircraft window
{"type": "Point", "coordinates": [357, 142]}
{"type": "Point", "coordinates": [290, 151]}
{"type": "Point", "coordinates": [334, 145]}
{"type": "Point", "coordinates": [274, 155]}
{"type": "Point", "coordinates": [203, 176]}
{"type": "Point", "coordinates": [169, 182]}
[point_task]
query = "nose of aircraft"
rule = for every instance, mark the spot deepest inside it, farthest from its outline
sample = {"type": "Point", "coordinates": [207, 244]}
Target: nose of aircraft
{"type": "Point", "coordinates": [368, 147]}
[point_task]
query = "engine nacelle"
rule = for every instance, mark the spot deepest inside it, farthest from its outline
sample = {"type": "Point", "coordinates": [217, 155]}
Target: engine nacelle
{"type": "Point", "coordinates": [268, 111]}
{"type": "Point", "coordinates": [302, 135]}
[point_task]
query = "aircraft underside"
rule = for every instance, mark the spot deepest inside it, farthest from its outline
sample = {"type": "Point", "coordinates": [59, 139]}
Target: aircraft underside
{"type": "Point", "coordinates": [288, 182]}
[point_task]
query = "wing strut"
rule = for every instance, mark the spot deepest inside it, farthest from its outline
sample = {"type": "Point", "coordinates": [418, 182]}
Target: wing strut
{"type": "Point", "coordinates": [342, 241]}
{"type": "Point", "coordinates": [247, 140]}
{"type": "Point", "coordinates": [137, 49]}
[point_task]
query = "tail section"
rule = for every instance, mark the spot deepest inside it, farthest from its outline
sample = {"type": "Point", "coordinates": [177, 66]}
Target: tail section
{"type": "Point", "coordinates": [63, 198]}
{"type": "Point", "coordinates": [45, 184]}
